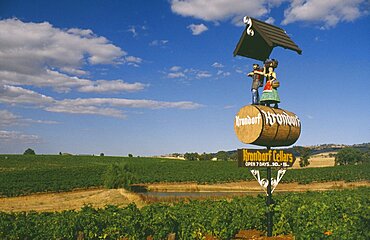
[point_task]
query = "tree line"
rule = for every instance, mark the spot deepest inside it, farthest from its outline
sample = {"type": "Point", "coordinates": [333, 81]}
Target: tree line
{"type": "Point", "coordinates": [345, 156]}
{"type": "Point", "coordinates": [351, 156]}
{"type": "Point", "coordinates": [219, 156]}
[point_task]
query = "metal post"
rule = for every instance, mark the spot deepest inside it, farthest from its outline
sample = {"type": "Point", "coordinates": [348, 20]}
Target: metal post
{"type": "Point", "coordinates": [269, 202]}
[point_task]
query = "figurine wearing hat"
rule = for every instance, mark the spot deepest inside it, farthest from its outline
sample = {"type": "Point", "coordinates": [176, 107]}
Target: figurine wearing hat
{"type": "Point", "coordinates": [257, 81]}
{"type": "Point", "coordinates": [270, 94]}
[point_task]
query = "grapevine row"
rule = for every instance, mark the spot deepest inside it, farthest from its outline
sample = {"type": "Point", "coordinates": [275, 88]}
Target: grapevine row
{"type": "Point", "coordinates": [21, 175]}
{"type": "Point", "coordinates": [313, 215]}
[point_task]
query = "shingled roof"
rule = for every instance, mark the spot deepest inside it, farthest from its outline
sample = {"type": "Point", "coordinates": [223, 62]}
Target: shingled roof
{"type": "Point", "coordinates": [259, 42]}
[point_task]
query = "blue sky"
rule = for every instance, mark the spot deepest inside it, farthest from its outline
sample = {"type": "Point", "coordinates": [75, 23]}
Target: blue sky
{"type": "Point", "coordinates": [157, 77]}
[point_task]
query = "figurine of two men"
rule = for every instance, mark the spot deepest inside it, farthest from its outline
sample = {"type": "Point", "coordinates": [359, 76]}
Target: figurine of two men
{"type": "Point", "coordinates": [269, 94]}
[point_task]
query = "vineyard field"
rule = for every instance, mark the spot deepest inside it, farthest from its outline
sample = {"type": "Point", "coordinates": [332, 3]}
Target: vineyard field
{"type": "Point", "coordinates": [22, 175]}
{"type": "Point", "coordinates": [313, 215]}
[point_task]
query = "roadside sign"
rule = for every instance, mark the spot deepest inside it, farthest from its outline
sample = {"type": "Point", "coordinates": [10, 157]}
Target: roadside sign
{"type": "Point", "coordinates": [265, 158]}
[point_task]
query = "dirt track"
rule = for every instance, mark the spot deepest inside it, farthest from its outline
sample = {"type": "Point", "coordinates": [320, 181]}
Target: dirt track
{"type": "Point", "coordinates": [101, 197]}
{"type": "Point", "coordinates": [249, 186]}
{"type": "Point", "coordinates": [98, 198]}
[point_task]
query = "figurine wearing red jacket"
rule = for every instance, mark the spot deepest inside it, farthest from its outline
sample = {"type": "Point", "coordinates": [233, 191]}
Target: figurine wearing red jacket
{"type": "Point", "coordinates": [257, 81]}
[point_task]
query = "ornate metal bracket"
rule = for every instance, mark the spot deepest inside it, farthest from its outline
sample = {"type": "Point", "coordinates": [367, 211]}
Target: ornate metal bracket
{"type": "Point", "coordinates": [248, 21]}
{"type": "Point", "coordinates": [265, 182]}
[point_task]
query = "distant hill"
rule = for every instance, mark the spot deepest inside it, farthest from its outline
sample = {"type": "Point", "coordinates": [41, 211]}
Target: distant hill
{"type": "Point", "coordinates": [322, 148]}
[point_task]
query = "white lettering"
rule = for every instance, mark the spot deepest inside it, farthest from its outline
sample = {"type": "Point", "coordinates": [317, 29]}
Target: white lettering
{"type": "Point", "coordinates": [281, 119]}
{"type": "Point", "coordinates": [247, 120]}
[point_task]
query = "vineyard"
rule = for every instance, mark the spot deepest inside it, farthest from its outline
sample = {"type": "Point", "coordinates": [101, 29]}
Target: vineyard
{"type": "Point", "coordinates": [312, 215]}
{"type": "Point", "coordinates": [22, 175]}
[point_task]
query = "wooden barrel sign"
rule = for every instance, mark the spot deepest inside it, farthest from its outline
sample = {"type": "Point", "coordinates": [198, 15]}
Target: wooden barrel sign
{"type": "Point", "coordinates": [265, 126]}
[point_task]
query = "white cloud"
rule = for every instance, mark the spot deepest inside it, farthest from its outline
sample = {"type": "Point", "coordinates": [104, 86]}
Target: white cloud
{"type": "Point", "coordinates": [128, 103]}
{"type": "Point", "coordinates": [309, 116]}
{"type": "Point", "coordinates": [18, 95]}
{"type": "Point", "coordinates": [64, 107]}
{"type": "Point", "coordinates": [330, 13]}
{"type": "Point", "coordinates": [112, 86]}
{"type": "Point", "coordinates": [132, 29]}
{"type": "Point", "coordinates": [108, 106]}
{"type": "Point", "coordinates": [8, 119]}
{"type": "Point", "coordinates": [187, 73]}
{"type": "Point", "coordinates": [217, 65]}
{"type": "Point", "coordinates": [203, 74]}
{"type": "Point", "coordinates": [175, 68]}
{"type": "Point", "coordinates": [38, 54]}
{"type": "Point", "coordinates": [18, 137]}
{"type": "Point", "coordinates": [27, 120]}
{"type": "Point", "coordinates": [160, 43]}
{"type": "Point", "coordinates": [220, 70]}
{"type": "Point", "coordinates": [133, 59]}
{"type": "Point", "coordinates": [95, 106]}
{"type": "Point", "coordinates": [136, 29]}
{"type": "Point", "coordinates": [175, 72]}
{"type": "Point", "coordinates": [73, 71]}
{"type": "Point", "coordinates": [217, 10]}
{"type": "Point", "coordinates": [176, 75]}
{"type": "Point", "coordinates": [191, 73]}
{"type": "Point", "coordinates": [229, 106]}
{"type": "Point", "coordinates": [270, 20]}
{"type": "Point", "coordinates": [222, 73]}
{"type": "Point", "coordinates": [197, 29]}
{"type": "Point", "coordinates": [81, 32]}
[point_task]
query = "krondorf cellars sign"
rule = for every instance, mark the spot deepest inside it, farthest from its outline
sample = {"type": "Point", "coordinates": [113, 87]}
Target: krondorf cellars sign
{"type": "Point", "coordinates": [265, 126]}
{"type": "Point", "coordinates": [265, 158]}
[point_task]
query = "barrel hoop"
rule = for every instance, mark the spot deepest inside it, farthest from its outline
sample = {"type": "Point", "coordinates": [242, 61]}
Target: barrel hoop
{"type": "Point", "coordinates": [290, 131]}
{"type": "Point", "coordinates": [278, 126]}
{"type": "Point", "coordinates": [263, 122]}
